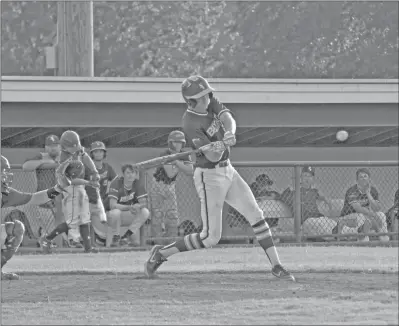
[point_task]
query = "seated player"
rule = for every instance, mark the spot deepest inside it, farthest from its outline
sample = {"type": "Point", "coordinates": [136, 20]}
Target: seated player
{"type": "Point", "coordinates": [313, 222]}
{"type": "Point", "coordinates": [75, 202]}
{"type": "Point", "coordinates": [392, 216]}
{"type": "Point", "coordinates": [127, 205]}
{"type": "Point", "coordinates": [362, 204]}
{"type": "Point", "coordinates": [263, 187]}
{"type": "Point", "coordinates": [12, 232]}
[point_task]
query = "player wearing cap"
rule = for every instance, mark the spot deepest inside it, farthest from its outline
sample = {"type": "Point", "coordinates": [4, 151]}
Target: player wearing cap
{"type": "Point", "coordinates": [362, 203]}
{"type": "Point", "coordinates": [98, 153]}
{"type": "Point", "coordinates": [206, 121]}
{"type": "Point", "coordinates": [165, 219]}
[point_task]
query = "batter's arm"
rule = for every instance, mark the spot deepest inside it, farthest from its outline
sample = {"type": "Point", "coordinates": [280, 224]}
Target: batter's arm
{"type": "Point", "coordinates": [229, 123]}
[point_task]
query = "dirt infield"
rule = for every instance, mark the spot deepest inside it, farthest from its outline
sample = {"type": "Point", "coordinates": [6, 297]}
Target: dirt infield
{"type": "Point", "coordinates": [217, 286]}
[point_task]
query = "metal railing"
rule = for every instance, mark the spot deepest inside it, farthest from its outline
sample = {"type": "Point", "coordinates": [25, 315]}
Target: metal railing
{"type": "Point", "coordinates": [291, 213]}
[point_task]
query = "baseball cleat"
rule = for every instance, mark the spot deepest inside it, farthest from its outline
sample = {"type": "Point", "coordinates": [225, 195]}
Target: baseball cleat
{"type": "Point", "coordinates": [280, 272]}
{"type": "Point", "coordinates": [156, 259]}
{"type": "Point", "coordinates": [9, 276]}
{"type": "Point", "coordinates": [45, 244]}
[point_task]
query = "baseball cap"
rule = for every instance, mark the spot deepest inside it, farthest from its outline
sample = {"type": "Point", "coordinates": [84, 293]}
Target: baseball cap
{"type": "Point", "coordinates": [308, 169]}
{"type": "Point", "coordinates": [52, 140]}
{"type": "Point", "coordinates": [264, 178]}
{"type": "Point", "coordinates": [362, 170]}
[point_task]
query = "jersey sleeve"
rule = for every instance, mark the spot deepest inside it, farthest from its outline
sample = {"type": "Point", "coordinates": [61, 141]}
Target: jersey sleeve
{"type": "Point", "coordinates": [16, 198]}
{"type": "Point", "coordinates": [141, 191]}
{"type": "Point", "coordinates": [218, 107]}
{"type": "Point", "coordinates": [111, 173]}
{"type": "Point", "coordinates": [114, 189]}
{"type": "Point", "coordinates": [195, 136]}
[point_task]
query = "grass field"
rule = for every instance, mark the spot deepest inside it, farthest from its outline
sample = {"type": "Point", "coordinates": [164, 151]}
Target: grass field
{"type": "Point", "coordinates": [336, 285]}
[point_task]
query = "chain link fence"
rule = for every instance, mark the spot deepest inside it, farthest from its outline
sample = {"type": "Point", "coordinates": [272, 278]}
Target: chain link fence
{"type": "Point", "coordinates": [298, 203]}
{"type": "Point", "coordinates": [297, 206]}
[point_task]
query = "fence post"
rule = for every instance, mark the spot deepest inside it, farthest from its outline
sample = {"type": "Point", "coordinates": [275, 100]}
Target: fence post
{"type": "Point", "coordinates": [297, 203]}
{"type": "Point", "coordinates": [59, 218]}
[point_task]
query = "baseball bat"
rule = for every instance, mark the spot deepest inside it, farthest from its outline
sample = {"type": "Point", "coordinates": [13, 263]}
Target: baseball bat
{"type": "Point", "coordinates": [162, 160]}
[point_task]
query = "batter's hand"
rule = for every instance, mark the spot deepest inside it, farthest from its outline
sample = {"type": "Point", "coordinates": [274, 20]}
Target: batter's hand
{"type": "Point", "coordinates": [229, 138]}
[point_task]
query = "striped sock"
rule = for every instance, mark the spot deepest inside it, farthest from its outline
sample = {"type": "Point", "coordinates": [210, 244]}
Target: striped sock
{"type": "Point", "coordinates": [188, 243]}
{"type": "Point", "coordinates": [265, 240]}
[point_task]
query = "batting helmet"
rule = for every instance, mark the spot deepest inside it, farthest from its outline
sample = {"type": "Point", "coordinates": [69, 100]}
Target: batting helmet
{"type": "Point", "coordinates": [70, 139]}
{"type": "Point", "coordinates": [98, 145]}
{"type": "Point", "coordinates": [6, 175]}
{"type": "Point", "coordinates": [195, 87]}
{"type": "Point", "coordinates": [176, 136]}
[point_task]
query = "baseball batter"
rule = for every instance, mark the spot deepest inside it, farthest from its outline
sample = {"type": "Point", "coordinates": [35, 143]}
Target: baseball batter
{"type": "Point", "coordinates": [12, 232]}
{"type": "Point", "coordinates": [207, 120]}
{"type": "Point", "coordinates": [75, 202]}
{"type": "Point", "coordinates": [165, 219]}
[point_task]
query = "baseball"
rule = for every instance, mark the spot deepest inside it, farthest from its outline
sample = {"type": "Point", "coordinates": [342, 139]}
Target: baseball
{"type": "Point", "coordinates": [342, 135]}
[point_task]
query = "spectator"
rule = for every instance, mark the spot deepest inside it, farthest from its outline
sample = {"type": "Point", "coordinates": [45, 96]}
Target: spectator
{"type": "Point", "coordinates": [127, 205]}
{"type": "Point", "coordinates": [263, 187]}
{"type": "Point", "coordinates": [45, 164]}
{"type": "Point", "coordinates": [312, 221]}
{"type": "Point", "coordinates": [392, 216]}
{"type": "Point", "coordinates": [361, 203]}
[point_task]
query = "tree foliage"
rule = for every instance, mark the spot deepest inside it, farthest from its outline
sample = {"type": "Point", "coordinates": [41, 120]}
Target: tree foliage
{"type": "Point", "coordinates": [217, 39]}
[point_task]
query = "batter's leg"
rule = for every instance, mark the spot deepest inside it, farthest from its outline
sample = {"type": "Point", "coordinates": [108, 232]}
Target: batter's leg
{"type": "Point", "coordinates": [242, 199]}
{"type": "Point", "coordinates": [212, 186]}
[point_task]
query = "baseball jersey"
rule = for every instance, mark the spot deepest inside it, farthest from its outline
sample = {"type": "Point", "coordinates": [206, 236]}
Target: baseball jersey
{"type": "Point", "coordinates": [354, 195]}
{"type": "Point", "coordinates": [45, 177]}
{"type": "Point", "coordinates": [160, 173]}
{"type": "Point", "coordinates": [205, 128]}
{"type": "Point", "coordinates": [107, 174]}
{"type": "Point", "coordinates": [15, 198]}
{"type": "Point", "coordinates": [123, 196]}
